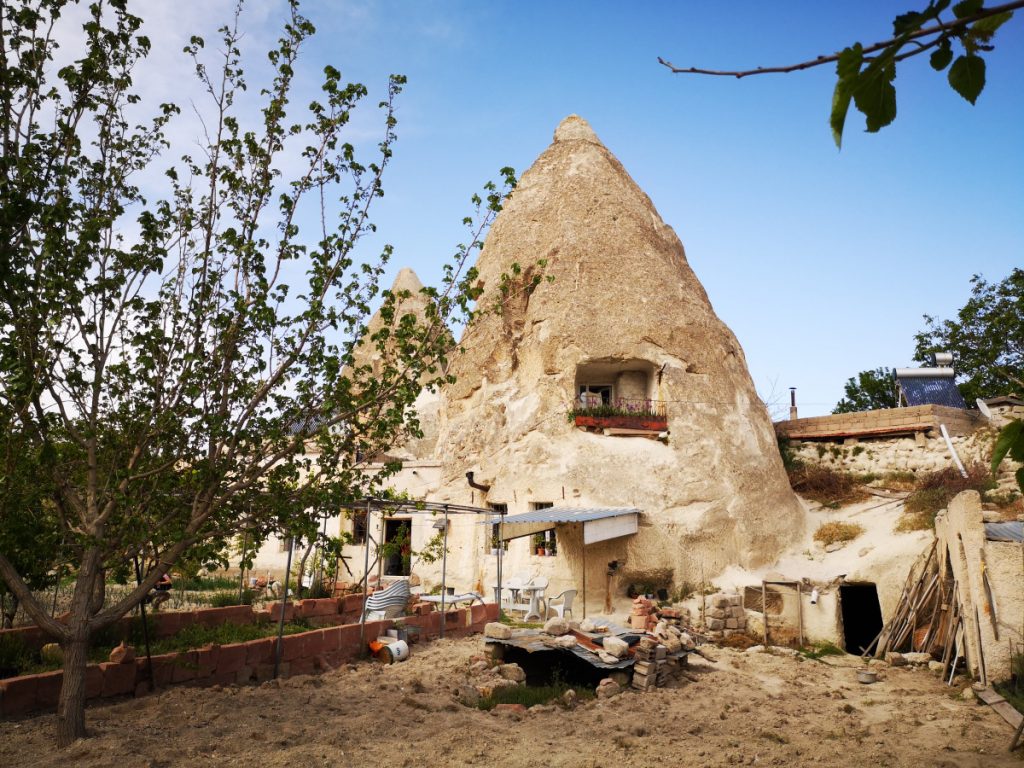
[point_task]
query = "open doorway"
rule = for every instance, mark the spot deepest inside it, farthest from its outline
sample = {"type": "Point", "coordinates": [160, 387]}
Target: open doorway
{"type": "Point", "coordinates": [397, 546]}
{"type": "Point", "coordinates": [862, 616]}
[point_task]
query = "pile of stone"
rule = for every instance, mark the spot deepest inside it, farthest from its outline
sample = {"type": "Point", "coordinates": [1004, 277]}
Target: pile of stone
{"type": "Point", "coordinates": [642, 617]}
{"type": "Point", "coordinates": [724, 614]}
{"type": "Point", "coordinates": [653, 667]}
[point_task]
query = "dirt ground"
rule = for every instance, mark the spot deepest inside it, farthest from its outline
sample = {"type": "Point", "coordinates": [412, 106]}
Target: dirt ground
{"type": "Point", "coordinates": [744, 709]}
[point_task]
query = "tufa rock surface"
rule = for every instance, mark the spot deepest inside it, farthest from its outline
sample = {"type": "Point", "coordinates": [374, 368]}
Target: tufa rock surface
{"type": "Point", "coordinates": [626, 311]}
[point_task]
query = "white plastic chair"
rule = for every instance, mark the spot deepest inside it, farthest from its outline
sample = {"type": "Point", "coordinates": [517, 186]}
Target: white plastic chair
{"type": "Point", "coordinates": [563, 607]}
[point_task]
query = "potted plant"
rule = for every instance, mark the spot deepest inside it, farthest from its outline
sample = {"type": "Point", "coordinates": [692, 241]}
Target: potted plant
{"type": "Point", "coordinates": [539, 544]}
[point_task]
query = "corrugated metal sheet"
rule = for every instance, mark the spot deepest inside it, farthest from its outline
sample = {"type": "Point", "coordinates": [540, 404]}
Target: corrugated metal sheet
{"type": "Point", "coordinates": [567, 515]}
{"type": "Point", "coordinates": [1012, 531]}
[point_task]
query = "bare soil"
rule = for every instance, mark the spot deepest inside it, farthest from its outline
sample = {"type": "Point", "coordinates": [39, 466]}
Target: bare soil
{"type": "Point", "coordinates": [744, 709]}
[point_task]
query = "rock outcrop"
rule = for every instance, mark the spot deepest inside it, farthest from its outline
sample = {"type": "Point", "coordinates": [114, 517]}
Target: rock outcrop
{"type": "Point", "coordinates": [625, 317]}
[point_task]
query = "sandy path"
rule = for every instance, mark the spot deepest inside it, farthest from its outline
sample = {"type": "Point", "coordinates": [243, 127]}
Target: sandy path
{"type": "Point", "coordinates": [745, 709]}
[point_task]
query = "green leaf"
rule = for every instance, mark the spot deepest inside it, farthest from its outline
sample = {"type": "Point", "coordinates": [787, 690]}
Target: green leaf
{"type": "Point", "coordinates": [942, 55]}
{"type": "Point", "coordinates": [1019, 474]}
{"type": "Point", "coordinates": [874, 93]}
{"type": "Point", "coordinates": [967, 76]}
{"type": "Point", "coordinates": [1010, 437]}
{"type": "Point", "coordinates": [967, 8]}
{"type": "Point", "coordinates": [847, 69]}
{"type": "Point", "coordinates": [987, 27]}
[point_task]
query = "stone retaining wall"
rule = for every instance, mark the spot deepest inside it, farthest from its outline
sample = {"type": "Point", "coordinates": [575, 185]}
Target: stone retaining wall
{"type": "Point", "coordinates": [234, 663]}
{"type": "Point", "coordinates": [882, 422]}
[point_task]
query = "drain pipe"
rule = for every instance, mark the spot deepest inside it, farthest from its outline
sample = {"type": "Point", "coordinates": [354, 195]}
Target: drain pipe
{"type": "Point", "coordinates": [952, 451]}
{"type": "Point", "coordinates": [473, 484]}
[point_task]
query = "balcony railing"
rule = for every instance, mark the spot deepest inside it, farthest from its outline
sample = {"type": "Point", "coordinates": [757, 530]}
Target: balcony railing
{"type": "Point", "coordinates": [627, 413]}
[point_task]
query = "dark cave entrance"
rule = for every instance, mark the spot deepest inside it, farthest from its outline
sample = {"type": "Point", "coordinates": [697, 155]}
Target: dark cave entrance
{"type": "Point", "coordinates": [862, 616]}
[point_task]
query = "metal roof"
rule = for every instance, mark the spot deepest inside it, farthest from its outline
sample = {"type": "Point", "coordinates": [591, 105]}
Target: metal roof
{"type": "Point", "coordinates": [927, 390]}
{"type": "Point", "coordinates": [1011, 531]}
{"type": "Point", "coordinates": [569, 514]}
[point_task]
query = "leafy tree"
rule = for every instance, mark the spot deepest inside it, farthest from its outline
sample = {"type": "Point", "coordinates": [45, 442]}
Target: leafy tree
{"type": "Point", "coordinates": [868, 391]}
{"type": "Point", "coordinates": [179, 371]}
{"type": "Point", "coordinates": [986, 338]}
{"type": "Point", "coordinates": [865, 75]}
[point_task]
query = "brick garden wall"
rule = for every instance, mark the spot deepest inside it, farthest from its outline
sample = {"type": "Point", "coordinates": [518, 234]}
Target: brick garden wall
{"type": "Point", "coordinates": [235, 663]}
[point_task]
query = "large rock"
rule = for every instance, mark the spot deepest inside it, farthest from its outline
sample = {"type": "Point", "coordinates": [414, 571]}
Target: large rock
{"type": "Point", "coordinates": [624, 309]}
{"type": "Point", "coordinates": [556, 625]}
{"type": "Point", "coordinates": [497, 630]}
{"type": "Point", "coordinates": [512, 672]}
{"type": "Point", "coordinates": [615, 646]}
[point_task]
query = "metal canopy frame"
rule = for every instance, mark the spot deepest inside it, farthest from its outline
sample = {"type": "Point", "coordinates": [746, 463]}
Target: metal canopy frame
{"type": "Point", "coordinates": [411, 507]}
{"type": "Point", "coordinates": [528, 523]}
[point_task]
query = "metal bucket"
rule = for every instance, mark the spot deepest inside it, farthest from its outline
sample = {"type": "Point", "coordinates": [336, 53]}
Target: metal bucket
{"type": "Point", "coordinates": [867, 676]}
{"type": "Point", "coordinates": [396, 651]}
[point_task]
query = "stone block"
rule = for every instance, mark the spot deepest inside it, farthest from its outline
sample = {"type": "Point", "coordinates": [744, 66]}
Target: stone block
{"type": "Point", "coordinates": [259, 651]}
{"type": "Point", "coordinates": [716, 624]}
{"type": "Point", "coordinates": [720, 601]}
{"type": "Point", "coordinates": [352, 603]}
{"type": "Point", "coordinates": [93, 682]}
{"type": "Point", "coordinates": [731, 624]}
{"type": "Point", "coordinates": [231, 658]}
{"type": "Point", "coordinates": [185, 666]}
{"type": "Point", "coordinates": [737, 612]}
{"type": "Point", "coordinates": [327, 606]}
{"type": "Point", "coordinates": [497, 630]}
{"type": "Point", "coordinates": [717, 613]}
{"type": "Point", "coordinates": [244, 675]}
{"type": "Point", "coordinates": [303, 666]}
{"type": "Point", "coordinates": [615, 646]}
{"type": "Point", "coordinates": [512, 672]}
{"type": "Point", "coordinates": [276, 609]}
{"type": "Point", "coordinates": [207, 661]}
{"type": "Point", "coordinates": [18, 695]}
{"type": "Point", "coordinates": [293, 646]}
{"type": "Point", "coordinates": [118, 679]}
{"type": "Point", "coordinates": [332, 639]}
{"type": "Point", "coordinates": [735, 600]}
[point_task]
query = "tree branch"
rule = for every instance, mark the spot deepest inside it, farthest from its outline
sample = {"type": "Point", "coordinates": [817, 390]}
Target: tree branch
{"type": "Point", "coordinates": [942, 28]}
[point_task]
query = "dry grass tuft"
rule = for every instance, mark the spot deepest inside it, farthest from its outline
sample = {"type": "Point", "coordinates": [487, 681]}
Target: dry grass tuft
{"type": "Point", "coordinates": [825, 485]}
{"type": "Point", "coordinates": [831, 533]}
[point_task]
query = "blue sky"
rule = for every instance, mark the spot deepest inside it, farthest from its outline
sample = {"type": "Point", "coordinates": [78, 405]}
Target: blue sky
{"type": "Point", "coordinates": [822, 262]}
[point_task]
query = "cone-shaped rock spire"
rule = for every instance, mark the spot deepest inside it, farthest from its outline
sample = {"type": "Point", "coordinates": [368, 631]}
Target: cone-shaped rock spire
{"type": "Point", "coordinates": [625, 318]}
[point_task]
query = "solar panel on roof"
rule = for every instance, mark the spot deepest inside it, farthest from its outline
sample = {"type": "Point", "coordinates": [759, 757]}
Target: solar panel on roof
{"type": "Point", "coordinates": [925, 390]}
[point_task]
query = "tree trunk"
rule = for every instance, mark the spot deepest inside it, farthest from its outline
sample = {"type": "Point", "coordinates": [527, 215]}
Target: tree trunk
{"type": "Point", "coordinates": [71, 705]}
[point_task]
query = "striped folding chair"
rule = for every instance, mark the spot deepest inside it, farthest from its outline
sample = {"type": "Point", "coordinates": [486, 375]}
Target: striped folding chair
{"type": "Point", "coordinates": [387, 603]}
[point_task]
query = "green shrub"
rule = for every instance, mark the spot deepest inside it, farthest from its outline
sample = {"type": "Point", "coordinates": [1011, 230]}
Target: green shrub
{"type": "Point", "coordinates": [228, 598]}
{"type": "Point", "coordinates": [14, 655]}
{"type": "Point", "coordinates": [205, 583]}
{"type": "Point", "coordinates": [820, 650]}
{"type": "Point", "coordinates": [933, 492]}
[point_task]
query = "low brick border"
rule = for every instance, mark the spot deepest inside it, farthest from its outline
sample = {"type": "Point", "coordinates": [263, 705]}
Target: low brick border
{"type": "Point", "coordinates": [236, 663]}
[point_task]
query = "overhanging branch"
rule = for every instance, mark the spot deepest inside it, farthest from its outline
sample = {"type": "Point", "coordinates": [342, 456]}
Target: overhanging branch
{"type": "Point", "coordinates": [942, 28]}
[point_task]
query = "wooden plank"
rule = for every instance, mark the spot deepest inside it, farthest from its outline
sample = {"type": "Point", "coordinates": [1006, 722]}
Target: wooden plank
{"type": "Point", "coordinates": [1006, 710]}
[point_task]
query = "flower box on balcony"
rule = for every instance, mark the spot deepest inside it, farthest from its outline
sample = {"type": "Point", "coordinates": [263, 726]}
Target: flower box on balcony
{"type": "Point", "coordinates": [653, 423]}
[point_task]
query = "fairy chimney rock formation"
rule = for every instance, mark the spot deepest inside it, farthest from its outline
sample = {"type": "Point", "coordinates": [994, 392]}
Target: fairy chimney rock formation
{"type": "Point", "coordinates": [368, 354]}
{"type": "Point", "coordinates": [619, 314]}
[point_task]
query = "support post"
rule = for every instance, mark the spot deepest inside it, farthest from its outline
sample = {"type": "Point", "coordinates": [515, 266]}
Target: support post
{"type": "Point", "coordinates": [284, 607]}
{"type": "Point", "coordinates": [583, 538]}
{"type": "Point", "coordinates": [241, 568]}
{"type": "Point", "coordinates": [366, 581]}
{"type": "Point", "coordinates": [145, 628]}
{"type": "Point", "coordinates": [764, 611]}
{"type": "Point", "coordinates": [800, 612]}
{"type": "Point", "coordinates": [444, 575]}
{"type": "Point", "coordinates": [501, 557]}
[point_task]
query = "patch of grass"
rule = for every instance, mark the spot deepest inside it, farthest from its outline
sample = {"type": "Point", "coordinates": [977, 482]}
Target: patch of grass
{"type": "Point", "coordinates": [897, 481]}
{"type": "Point", "coordinates": [835, 531]}
{"type": "Point", "coordinates": [825, 485]}
{"type": "Point", "coordinates": [229, 597]}
{"type": "Point", "coordinates": [934, 490]}
{"type": "Point", "coordinates": [531, 695]}
{"type": "Point", "coordinates": [778, 738]}
{"type": "Point", "coordinates": [821, 650]}
{"type": "Point", "coordinates": [205, 583]}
